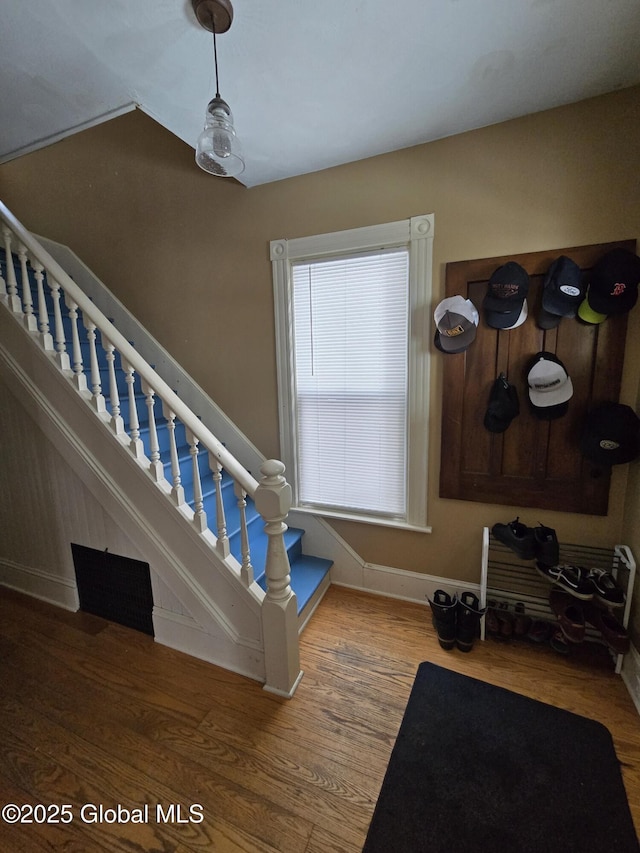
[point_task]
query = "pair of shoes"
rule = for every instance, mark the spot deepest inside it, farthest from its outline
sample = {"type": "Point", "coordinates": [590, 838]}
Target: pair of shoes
{"type": "Point", "coordinates": [540, 631]}
{"type": "Point", "coordinates": [456, 620]}
{"type": "Point", "coordinates": [529, 543]}
{"type": "Point", "coordinates": [573, 579]}
{"type": "Point", "coordinates": [613, 632]}
{"type": "Point", "coordinates": [606, 588]}
{"type": "Point", "coordinates": [498, 621]}
{"type": "Point", "coordinates": [516, 536]}
{"type": "Point", "coordinates": [570, 615]}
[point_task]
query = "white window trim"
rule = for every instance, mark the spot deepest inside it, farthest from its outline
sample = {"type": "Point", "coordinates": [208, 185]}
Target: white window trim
{"type": "Point", "coordinates": [415, 233]}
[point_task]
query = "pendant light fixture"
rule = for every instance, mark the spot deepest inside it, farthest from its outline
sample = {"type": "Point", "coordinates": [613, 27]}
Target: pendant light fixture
{"type": "Point", "coordinates": [218, 150]}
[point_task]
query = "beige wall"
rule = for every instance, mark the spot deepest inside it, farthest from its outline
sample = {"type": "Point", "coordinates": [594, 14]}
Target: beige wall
{"type": "Point", "coordinates": [189, 254]}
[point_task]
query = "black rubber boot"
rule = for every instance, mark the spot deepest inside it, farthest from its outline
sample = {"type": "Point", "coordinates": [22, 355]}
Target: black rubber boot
{"type": "Point", "coordinates": [468, 617]}
{"type": "Point", "coordinates": [443, 615]}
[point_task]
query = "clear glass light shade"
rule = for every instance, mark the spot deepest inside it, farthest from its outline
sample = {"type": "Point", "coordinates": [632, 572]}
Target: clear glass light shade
{"type": "Point", "coordinates": [218, 150]}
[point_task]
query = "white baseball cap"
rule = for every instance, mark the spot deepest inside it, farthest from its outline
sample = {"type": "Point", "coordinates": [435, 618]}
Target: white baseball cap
{"type": "Point", "coordinates": [456, 320]}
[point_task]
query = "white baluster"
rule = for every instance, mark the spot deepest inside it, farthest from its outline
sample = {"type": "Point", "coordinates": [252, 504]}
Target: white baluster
{"type": "Point", "coordinates": [222, 545]}
{"type": "Point", "coordinates": [200, 516]}
{"type": "Point", "coordinates": [117, 424]}
{"type": "Point", "coordinates": [60, 341]}
{"type": "Point", "coordinates": [12, 284]}
{"type": "Point", "coordinates": [157, 468]}
{"type": "Point", "coordinates": [246, 569]}
{"type": "Point", "coordinates": [177, 489]}
{"type": "Point", "coordinates": [280, 606]}
{"type": "Point", "coordinates": [80, 380]}
{"type": "Point", "coordinates": [29, 318]}
{"type": "Point", "coordinates": [135, 442]}
{"type": "Point", "coordinates": [96, 382]}
{"type": "Point", "coordinates": [43, 316]}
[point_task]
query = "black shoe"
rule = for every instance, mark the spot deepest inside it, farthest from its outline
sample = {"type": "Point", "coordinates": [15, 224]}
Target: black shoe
{"type": "Point", "coordinates": [443, 615]}
{"type": "Point", "coordinates": [468, 621]}
{"type": "Point", "coordinates": [573, 579]}
{"type": "Point", "coordinates": [546, 545]}
{"type": "Point", "coordinates": [606, 589]}
{"type": "Point", "coordinates": [516, 536]}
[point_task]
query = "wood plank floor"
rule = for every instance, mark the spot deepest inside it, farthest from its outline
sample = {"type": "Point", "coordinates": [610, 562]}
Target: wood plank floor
{"type": "Point", "coordinates": [95, 714]}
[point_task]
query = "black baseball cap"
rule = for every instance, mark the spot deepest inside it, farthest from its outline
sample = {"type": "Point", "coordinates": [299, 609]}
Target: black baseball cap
{"type": "Point", "coordinates": [503, 406]}
{"type": "Point", "coordinates": [613, 283]}
{"type": "Point", "coordinates": [563, 291]}
{"type": "Point", "coordinates": [506, 295]}
{"type": "Point", "coordinates": [611, 434]}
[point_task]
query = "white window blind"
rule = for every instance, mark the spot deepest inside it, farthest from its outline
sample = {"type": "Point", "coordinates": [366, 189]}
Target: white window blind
{"type": "Point", "coordinates": [350, 350]}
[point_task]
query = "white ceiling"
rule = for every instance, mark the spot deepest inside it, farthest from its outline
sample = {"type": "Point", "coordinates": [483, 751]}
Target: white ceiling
{"type": "Point", "coordinates": [311, 84]}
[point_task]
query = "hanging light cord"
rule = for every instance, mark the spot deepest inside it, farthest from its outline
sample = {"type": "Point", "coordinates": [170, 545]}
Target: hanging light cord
{"type": "Point", "coordinates": [215, 54]}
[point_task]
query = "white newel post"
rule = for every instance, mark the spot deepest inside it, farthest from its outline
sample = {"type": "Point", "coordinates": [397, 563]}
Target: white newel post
{"type": "Point", "coordinates": [280, 606]}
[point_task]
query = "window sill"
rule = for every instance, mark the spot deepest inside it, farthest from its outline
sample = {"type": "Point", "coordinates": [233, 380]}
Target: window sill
{"type": "Point", "coordinates": [378, 521]}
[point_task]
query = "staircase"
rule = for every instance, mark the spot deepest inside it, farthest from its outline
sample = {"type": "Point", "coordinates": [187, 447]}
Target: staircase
{"type": "Point", "coordinates": [238, 519]}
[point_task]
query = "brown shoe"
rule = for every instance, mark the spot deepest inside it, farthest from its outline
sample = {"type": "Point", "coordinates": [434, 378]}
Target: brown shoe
{"type": "Point", "coordinates": [521, 622]}
{"type": "Point", "coordinates": [570, 615]}
{"type": "Point", "coordinates": [613, 632]}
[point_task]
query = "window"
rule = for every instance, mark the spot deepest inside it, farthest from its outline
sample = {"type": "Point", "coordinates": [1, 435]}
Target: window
{"type": "Point", "coordinates": [352, 324]}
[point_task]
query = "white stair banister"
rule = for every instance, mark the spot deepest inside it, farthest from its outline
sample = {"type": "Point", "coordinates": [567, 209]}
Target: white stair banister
{"type": "Point", "coordinates": [60, 340]}
{"type": "Point", "coordinates": [280, 606]}
{"type": "Point", "coordinates": [157, 468]}
{"type": "Point", "coordinates": [96, 382]}
{"type": "Point", "coordinates": [272, 496]}
{"type": "Point", "coordinates": [135, 442]}
{"type": "Point", "coordinates": [29, 318]}
{"type": "Point", "coordinates": [177, 489]}
{"type": "Point", "coordinates": [246, 569]}
{"type": "Point", "coordinates": [117, 423]}
{"type": "Point", "coordinates": [43, 316]}
{"type": "Point", "coordinates": [200, 516]}
{"type": "Point", "coordinates": [79, 378]}
{"type": "Point", "coordinates": [12, 284]}
{"type": "Point", "coordinates": [129, 353]}
{"type": "Point", "coordinates": [223, 540]}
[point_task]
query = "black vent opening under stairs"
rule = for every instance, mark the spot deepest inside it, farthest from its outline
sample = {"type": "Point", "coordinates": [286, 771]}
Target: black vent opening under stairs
{"type": "Point", "coordinates": [115, 588]}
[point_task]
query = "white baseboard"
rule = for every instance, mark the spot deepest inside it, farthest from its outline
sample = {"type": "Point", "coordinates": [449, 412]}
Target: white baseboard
{"type": "Point", "coordinates": [405, 585]}
{"type": "Point", "coordinates": [631, 675]}
{"type": "Point", "coordinates": [182, 633]}
{"type": "Point", "coordinates": [39, 584]}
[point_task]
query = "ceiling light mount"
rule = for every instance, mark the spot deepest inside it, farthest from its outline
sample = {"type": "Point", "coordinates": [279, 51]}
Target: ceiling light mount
{"type": "Point", "coordinates": [214, 15]}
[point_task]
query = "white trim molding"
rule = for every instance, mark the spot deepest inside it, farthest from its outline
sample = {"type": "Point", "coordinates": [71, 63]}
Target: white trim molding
{"type": "Point", "coordinates": [39, 584]}
{"type": "Point", "coordinates": [415, 233]}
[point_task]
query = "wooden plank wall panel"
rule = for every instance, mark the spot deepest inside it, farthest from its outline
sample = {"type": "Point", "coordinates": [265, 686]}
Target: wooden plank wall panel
{"type": "Point", "coordinates": [534, 463]}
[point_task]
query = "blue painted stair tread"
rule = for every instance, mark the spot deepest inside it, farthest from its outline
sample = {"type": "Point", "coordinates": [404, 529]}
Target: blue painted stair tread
{"type": "Point", "coordinates": [307, 572]}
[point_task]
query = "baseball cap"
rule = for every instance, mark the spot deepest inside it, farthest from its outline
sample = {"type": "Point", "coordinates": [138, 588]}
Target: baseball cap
{"type": "Point", "coordinates": [456, 320]}
{"type": "Point", "coordinates": [613, 282]}
{"type": "Point", "coordinates": [550, 387]}
{"type": "Point", "coordinates": [562, 292]}
{"type": "Point", "coordinates": [506, 296]}
{"type": "Point", "coordinates": [586, 312]}
{"type": "Point", "coordinates": [503, 405]}
{"type": "Point", "coordinates": [611, 434]}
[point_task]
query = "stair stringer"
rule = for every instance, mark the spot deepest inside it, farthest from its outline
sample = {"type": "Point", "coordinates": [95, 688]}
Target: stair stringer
{"type": "Point", "coordinates": [320, 537]}
{"type": "Point", "coordinates": [209, 587]}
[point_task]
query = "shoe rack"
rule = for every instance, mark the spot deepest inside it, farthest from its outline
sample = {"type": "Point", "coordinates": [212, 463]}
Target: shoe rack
{"type": "Point", "coordinates": [505, 577]}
